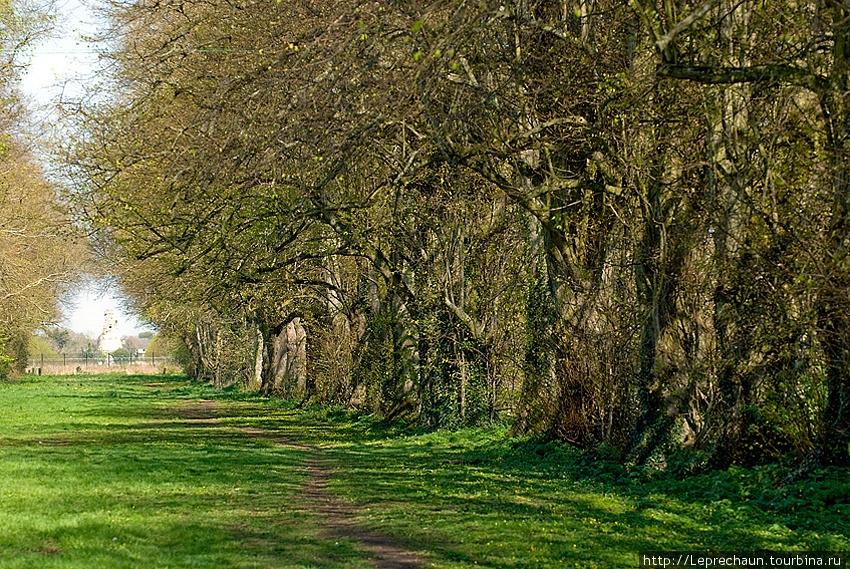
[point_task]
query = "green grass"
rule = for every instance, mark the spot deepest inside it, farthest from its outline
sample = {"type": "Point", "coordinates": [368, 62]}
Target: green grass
{"type": "Point", "coordinates": [106, 472]}
{"type": "Point", "coordinates": [482, 498]}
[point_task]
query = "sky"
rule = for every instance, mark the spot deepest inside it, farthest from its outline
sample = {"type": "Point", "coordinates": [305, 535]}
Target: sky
{"type": "Point", "coordinates": [62, 56]}
{"type": "Point", "coordinates": [85, 312]}
{"type": "Point", "coordinates": [54, 62]}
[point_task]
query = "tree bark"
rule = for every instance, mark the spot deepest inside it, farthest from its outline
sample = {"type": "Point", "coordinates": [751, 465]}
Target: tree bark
{"type": "Point", "coordinates": [833, 306]}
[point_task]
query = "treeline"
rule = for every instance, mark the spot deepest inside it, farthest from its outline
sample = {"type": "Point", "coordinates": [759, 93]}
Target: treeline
{"type": "Point", "coordinates": [40, 255]}
{"type": "Point", "coordinates": [614, 221]}
{"type": "Point", "coordinates": [58, 341]}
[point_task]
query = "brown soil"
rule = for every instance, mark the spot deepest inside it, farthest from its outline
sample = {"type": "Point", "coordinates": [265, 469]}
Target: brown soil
{"type": "Point", "coordinates": [336, 516]}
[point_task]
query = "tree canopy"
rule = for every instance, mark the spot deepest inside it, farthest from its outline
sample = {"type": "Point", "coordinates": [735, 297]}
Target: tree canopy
{"type": "Point", "coordinates": [40, 254]}
{"type": "Point", "coordinates": [619, 222]}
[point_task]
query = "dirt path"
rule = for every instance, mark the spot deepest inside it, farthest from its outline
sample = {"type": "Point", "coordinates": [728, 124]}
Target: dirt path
{"type": "Point", "coordinates": [336, 516]}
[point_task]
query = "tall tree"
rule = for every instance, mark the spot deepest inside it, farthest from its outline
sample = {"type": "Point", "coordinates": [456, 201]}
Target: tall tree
{"type": "Point", "coordinates": [643, 199]}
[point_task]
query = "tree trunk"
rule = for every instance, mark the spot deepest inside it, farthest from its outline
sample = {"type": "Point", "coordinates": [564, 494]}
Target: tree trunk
{"type": "Point", "coordinates": [656, 271]}
{"type": "Point", "coordinates": [832, 303]}
{"type": "Point", "coordinates": [219, 350]}
{"type": "Point", "coordinates": [289, 367]}
{"type": "Point", "coordinates": [255, 381]}
{"type": "Point", "coordinates": [730, 189]}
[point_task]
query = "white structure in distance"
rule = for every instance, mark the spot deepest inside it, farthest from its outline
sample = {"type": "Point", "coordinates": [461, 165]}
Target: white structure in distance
{"type": "Point", "coordinates": [109, 341]}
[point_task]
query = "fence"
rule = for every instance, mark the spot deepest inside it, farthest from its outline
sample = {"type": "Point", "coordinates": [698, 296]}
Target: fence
{"type": "Point", "coordinates": [66, 365]}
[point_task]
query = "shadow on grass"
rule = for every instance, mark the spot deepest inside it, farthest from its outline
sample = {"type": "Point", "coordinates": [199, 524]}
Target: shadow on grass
{"type": "Point", "coordinates": [478, 498]}
{"type": "Point", "coordinates": [471, 498]}
{"type": "Point", "coordinates": [182, 544]}
{"type": "Point", "coordinates": [139, 485]}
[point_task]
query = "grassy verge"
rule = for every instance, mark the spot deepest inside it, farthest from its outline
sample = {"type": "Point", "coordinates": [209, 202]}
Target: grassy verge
{"type": "Point", "coordinates": [108, 472]}
{"type": "Point", "coordinates": [483, 499]}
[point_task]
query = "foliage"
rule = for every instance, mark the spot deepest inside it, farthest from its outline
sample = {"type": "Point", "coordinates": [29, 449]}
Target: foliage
{"type": "Point", "coordinates": [38, 347]}
{"type": "Point", "coordinates": [621, 223]}
{"type": "Point", "coordinates": [121, 352]}
{"type": "Point", "coordinates": [65, 341]}
{"type": "Point", "coordinates": [39, 253]}
{"type": "Point", "coordinates": [41, 256]}
{"type": "Point", "coordinates": [6, 360]}
{"type": "Point", "coordinates": [160, 345]}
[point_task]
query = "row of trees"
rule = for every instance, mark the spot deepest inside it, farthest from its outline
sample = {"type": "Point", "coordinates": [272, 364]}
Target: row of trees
{"type": "Point", "coordinates": [617, 221]}
{"type": "Point", "coordinates": [39, 256]}
{"type": "Point", "coordinates": [58, 341]}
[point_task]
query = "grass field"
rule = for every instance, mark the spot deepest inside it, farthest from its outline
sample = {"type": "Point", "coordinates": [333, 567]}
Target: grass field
{"type": "Point", "coordinates": [118, 471]}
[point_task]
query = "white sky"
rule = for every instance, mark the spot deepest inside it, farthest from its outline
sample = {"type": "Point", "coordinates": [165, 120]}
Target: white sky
{"type": "Point", "coordinates": [63, 56]}
{"type": "Point", "coordinates": [54, 63]}
{"type": "Point", "coordinates": [85, 312]}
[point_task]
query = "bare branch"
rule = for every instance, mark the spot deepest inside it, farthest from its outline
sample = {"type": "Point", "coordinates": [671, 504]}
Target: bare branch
{"type": "Point", "coordinates": [477, 329]}
{"type": "Point", "coordinates": [754, 74]}
{"type": "Point", "coordinates": [665, 40]}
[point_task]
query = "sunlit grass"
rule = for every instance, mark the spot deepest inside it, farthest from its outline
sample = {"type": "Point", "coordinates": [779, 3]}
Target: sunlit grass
{"type": "Point", "coordinates": [478, 497]}
{"type": "Point", "coordinates": [107, 472]}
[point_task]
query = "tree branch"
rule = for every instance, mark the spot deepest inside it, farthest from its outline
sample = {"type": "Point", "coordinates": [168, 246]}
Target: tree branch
{"type": "Point", "coordinates": [755, 74]}
{"type": "Point", "coordinates": [477, 329]}
{"type": "Point", "coordinates": [665, 40]}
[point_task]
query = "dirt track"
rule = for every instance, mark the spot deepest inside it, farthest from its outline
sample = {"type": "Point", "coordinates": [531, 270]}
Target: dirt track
{"type": "Point", "coordinates": [336, 516]}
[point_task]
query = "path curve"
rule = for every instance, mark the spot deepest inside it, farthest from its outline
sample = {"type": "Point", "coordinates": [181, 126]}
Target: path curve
{"type": "Point", "coordinates": [336, 516]}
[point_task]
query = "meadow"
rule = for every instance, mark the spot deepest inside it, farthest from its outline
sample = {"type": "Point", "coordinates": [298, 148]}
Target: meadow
{"type": "Point", "coordinates": [118, 471]}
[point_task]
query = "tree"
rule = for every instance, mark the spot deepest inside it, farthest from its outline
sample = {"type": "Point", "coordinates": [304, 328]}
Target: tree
{"type": "Point", "coordinates": [621, 222]}
{"type": "Point", "coordinates": [59, 338]}
{"type": "Point", "coordinates": [809, 67]}
{"type": "Point", "coordinates": [41, 255]}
